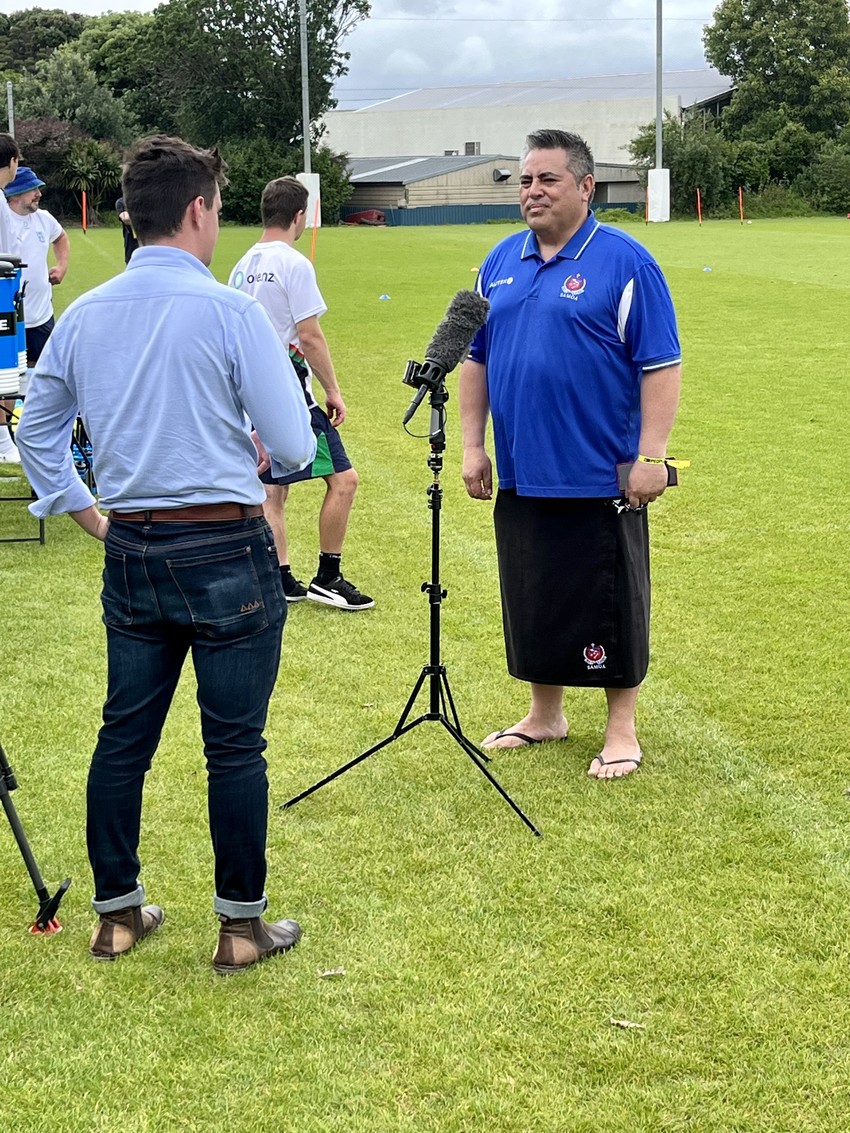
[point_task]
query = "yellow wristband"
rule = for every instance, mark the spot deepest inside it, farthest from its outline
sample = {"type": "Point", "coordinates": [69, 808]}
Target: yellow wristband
{"type": "Point", "coordinates": [670, 461]}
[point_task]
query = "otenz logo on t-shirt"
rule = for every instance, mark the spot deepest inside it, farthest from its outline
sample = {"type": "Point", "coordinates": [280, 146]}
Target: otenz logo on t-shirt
{"type": "Point", "coordinates": [240, 279]}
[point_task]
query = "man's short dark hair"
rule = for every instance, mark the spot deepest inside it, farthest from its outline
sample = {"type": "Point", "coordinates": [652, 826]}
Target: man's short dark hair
{"type": "Point", "coordinates": [579, 157]}
{"type": "Point", "coordinates": [162, 175]}
{"type": "Point", "coordinates": [8, 150]}
{"type": "Point", "coordinates": [282, 201]}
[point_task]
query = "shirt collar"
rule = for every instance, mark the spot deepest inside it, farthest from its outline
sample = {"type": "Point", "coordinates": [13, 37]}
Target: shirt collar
{"type": "Point", "coordinates": [572, 249]}
{"type": "Point", "coordinates": [164, 255]}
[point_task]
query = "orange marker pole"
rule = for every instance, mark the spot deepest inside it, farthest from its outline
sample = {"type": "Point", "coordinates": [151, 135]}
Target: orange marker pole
{"type": "Point", "coordinates": [85, 217]}
{"type": "Point", "coordinates": [699, 207]}
{"type": "Point", "coordinates": [741, 202]}
{"type": "Point", "coordinates": [315, 230]}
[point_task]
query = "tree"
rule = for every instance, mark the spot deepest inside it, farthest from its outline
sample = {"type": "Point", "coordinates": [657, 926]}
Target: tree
{"type": "Point", "coordinates": [253, 163]}
{"type": "Point", "coordinates": [28, 37]}
{"type": "Point", "coordinates": [698, 157]}
{"type": "Point", "coordinates": [790, 152]}
{"type": "Point", "coordinates": [826, 182]}
{"type": "Point", "coordinates": [90, 167]}
{"type": "Point", "coordinates": [116, 48]}
{"type": "Point", "coordinates": [333, 172]}
{"type": "Point", "coordinates": [233, 71]}
{"type": "Point", "coordinates": [46, 142]}
{"type": "Point", "coordinates": [785, 56]}
{"type": "Point", "coordinates": [65, 87]}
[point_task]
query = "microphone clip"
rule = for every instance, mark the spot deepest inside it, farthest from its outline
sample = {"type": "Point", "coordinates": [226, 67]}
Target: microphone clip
{"type": "Point", "coordinates": [425, 377]}
{"type": "Point", "coordinates": [425, 373]}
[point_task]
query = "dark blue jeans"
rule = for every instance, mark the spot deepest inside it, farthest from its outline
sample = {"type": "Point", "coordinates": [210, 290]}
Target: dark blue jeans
{"type": "Point", "coordinates": [212, 589]}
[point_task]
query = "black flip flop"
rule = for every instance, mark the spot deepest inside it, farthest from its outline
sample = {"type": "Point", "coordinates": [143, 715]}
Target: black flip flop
{"type": "Point", "coordinates": [636, 759]}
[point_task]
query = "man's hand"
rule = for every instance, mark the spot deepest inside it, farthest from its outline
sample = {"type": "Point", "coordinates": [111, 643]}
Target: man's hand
{"type": "Point", "coordinates": [478, 473]}
{"type": "Point", "coordinates": [646, 483]}
{"type": "Point", "coordinates": [56, 275]}
{"type": "Point", "coordinates": [264, 461]}
{"type": "Point", "coordinates": [92, 521]}
{"type": "Point", "coordinates": [335, 408]}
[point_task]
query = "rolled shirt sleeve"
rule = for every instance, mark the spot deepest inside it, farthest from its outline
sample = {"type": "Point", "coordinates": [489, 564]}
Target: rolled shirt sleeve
{"type": "Point", "coordinates": [44, 442]}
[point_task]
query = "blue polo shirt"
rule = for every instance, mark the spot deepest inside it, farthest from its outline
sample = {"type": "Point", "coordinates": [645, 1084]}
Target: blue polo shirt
{"type": "Point", "coordinates": [565, 345]}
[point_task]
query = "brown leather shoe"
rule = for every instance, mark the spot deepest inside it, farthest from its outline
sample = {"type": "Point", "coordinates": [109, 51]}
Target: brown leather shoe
{"type": "Point", "coordinates": [118, 932]}
{"type": "Point", "coordinates": [242, 943]}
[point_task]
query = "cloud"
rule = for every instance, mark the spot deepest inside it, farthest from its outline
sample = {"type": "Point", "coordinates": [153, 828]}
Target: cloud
{"type": "Point", "coordinates": [478, 41]}
{"type": "Point", "coordinates": [402, 63]}
{"type": "Point", "coordinates": [472, 62]}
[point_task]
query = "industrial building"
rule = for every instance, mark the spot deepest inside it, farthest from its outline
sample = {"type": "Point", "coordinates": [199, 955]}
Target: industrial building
{"type": "Point", "coordinates": [460, 190]}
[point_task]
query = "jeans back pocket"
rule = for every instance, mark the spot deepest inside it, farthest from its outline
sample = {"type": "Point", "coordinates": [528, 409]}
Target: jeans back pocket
{"type": "Point", "coordinates": [222, 592]}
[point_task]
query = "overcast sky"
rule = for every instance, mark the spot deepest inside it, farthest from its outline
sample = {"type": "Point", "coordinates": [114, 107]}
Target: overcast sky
{"type": "Point", "coordinates": [406, 44]}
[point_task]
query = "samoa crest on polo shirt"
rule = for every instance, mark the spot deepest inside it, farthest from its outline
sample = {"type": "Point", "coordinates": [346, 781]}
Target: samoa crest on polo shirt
{"type": "Point", "coordinates": [594, 656]}
{"type": "Point", "coordinates": [573, 286]}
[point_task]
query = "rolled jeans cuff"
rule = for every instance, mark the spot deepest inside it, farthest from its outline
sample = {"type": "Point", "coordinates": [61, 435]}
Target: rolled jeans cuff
{"type": "Point", "coordinates": [240, 910]}
{"type": "Point", "coordinates": [130, 901]}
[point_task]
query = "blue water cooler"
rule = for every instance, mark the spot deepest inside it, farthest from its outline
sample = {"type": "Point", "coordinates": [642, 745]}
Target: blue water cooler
{"type": "Point", "coordinates": [10, 368]}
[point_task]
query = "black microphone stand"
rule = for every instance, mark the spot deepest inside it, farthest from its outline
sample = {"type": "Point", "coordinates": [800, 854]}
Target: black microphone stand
{"type": "Point", "coordinates": [45, 921]}
{"type": "Point", "coordinates": [441, 702]}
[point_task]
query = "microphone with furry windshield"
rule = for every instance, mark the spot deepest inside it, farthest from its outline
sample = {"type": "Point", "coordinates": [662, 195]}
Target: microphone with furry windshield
{"type": "Point", "coordinates": [464, 317]}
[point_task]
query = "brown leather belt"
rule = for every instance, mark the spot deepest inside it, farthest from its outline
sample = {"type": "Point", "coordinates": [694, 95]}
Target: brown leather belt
{"type": "Point", "coordinates": [194, 513]}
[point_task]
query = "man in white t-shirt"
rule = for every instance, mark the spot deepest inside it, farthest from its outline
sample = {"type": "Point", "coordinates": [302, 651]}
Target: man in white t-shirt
{"type": "Point", "coordinates": [284, 282]}
{"type": "Point", "coordinates": [9, 157]}
{"type": "Point", "coordinates": [37, 231]}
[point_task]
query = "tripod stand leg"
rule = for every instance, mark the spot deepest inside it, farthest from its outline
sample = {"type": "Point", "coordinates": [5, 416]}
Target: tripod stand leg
{"type": "Point", "coordinates": [339, 771]}
{"type": "Point", "coordinates": [474, 754]}
{"type": "Point", "coordinates": [454, 729]}
{"type": "Point", "coordinates": [45, 921]}
{"type": "Point", "coordinates": [400, 728]}
{"type": "Point", "coordinates": [24, 847]}
{"type": "Point", "coordinates": [446, 698]}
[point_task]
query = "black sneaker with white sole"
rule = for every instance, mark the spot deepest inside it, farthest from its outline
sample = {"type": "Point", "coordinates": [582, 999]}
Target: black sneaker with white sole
{"type": "Point", "coordinates": [339, 592]}
{"type": "Point", "coordinates": [294, 590]}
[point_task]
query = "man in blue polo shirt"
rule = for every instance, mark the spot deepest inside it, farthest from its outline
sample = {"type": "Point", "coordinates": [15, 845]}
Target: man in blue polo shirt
{"type": "Point", "coordinates": [579, 365]}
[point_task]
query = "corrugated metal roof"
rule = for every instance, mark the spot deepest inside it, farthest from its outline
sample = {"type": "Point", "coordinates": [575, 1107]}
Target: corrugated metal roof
{"type": "Point", "coordinates": [408, 170]}
{"type": "Point", "coordinates": [689, 86]}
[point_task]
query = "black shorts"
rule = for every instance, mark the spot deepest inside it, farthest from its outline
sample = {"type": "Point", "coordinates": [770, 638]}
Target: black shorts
{"type": "Point", "coordinates": [330, 453]}
{"type": "Point", "coordinates": [37, 340]}
{"type": "Point", "coordinates": [574, 578]}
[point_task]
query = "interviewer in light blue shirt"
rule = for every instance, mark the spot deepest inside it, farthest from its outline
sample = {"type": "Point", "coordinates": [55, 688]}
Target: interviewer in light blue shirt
{"type": "Point", "coordinates": [166, 367]}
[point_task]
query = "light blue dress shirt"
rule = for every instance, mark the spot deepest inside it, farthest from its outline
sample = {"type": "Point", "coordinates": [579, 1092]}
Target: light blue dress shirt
{"type": "Point", "coordinates": [165, 366]}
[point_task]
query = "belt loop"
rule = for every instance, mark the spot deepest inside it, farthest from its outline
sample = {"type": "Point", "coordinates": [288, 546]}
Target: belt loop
{"type": "Point", "coordinates": [147, 516]}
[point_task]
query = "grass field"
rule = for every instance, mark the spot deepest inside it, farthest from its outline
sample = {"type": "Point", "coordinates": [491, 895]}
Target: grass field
{"type": "Point", "coordinates": [705, 899]}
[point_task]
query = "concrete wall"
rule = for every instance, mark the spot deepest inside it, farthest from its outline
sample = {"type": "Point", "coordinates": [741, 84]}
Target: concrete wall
{"type": "Point", "coordinates": [608, 127]}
